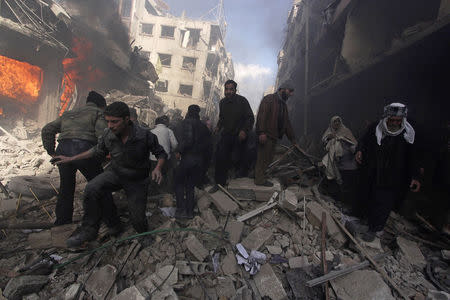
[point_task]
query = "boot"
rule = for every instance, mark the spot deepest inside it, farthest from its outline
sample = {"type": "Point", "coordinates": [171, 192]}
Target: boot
{"type": "Point", "coordinates": [81, 235]}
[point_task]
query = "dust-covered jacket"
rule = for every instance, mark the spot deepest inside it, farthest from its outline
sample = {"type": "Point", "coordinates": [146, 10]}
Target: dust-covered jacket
{"type": "Point", "coordinates": [267, 120]}
{"type": "Point", "coordinates": [84, 123]}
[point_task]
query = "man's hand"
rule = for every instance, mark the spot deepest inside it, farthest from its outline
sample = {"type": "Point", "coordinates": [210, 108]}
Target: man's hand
{"type": "Point", "coordinates": [242, 135]}
{"type": "Point", "coordinates": [358, 157]}
{"type": "Point", "coordinates": [157, 175]}
{"type": "Point", "coordinates": [262, 138]}
{"type": "Point", "coordinates": [414, 186]}
{"type": "Point", "coordinates": [60, 159]}
{"type": "Point", "coordinates": [178, 155]}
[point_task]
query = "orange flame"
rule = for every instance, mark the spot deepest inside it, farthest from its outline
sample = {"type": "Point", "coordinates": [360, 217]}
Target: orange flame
{"type": "Point", "coordinates": [77, 71]}
{"type": "Point", "coordinates": [1, 111]}
{"type": "Point", "coordinates": [20, 80]}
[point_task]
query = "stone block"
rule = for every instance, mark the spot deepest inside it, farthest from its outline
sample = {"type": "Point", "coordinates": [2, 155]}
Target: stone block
{"type": "Point", "coordinates": [131, 293]}
{"type": "Point", "coordinates": [168, 272]}
{"type": "Point", "coordinates": [362, 285]}
{"type": "Point", "coordinates": [288, 200]}
{"type": "Point", "coordinates": [60, 234]}
{"type": "Point", "coordinates": [274, 249]}
{"type": "Point", "coordinates": [209, 218]}
{"type": "Point", "coordinates": [298, 262]}
{"type": "Point", "coordinates": [192, 268]}
{"type": "Point", "coordinates": [8, 204]}
{"type": "Point", "coordinates": [33, 296]}
{"type": "Point", "coordinates": [223, 203]}
{"type": "Point", "coordinates": [100, 281]}
{"type": "Point", "coordinates": [203, 202]}
{"type": "Point", "coordinates": [196, 248]}
{"type": "Point", "coordinates": [257, 238]}
{"type": "Point", "coordinates": [268, 284]}
{"type": "Point", "coordinates": [411, 252]}
{"type": "Point", "coordinates": [24, 285]}
{"type": "Point", "coordinates": [229, 264]}
{"type": "Point", "coordinates": [72, 291]}
{"type": "Point", "coordinates": [314, 215]}
{"type": "Point", "coordinates": [225, 287]}
{"type": "Point", "coordinates": [234, 229]}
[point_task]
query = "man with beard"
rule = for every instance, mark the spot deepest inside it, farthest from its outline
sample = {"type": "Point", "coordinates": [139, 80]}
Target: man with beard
{"type": "Point", "coordinates": [130, 146]}
{"type": "Point", "coordinates": [235, 121]}
{"type": "Point", "coordinates": [387, 157]}
{"type": "Point", "coordinates": [272, 122]}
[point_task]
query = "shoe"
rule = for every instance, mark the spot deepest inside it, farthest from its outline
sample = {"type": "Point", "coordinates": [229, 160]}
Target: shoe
{"type": "Point", "coordinates": [81, 235]}
{"type": "Point", "coordinates": [189, 215]}
{"type": "Point", "coordinates": [115, 230]}
{"type": "Point", "coordinates": [265, 183]}
{"type": "Point", "coordinates": [214, 189]}
{"type": "Point", "coordinates": [369, 236]}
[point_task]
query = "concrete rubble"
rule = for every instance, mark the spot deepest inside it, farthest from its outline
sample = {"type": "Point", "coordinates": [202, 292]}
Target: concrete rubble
{"type": "Point", "coordinates": [178, 263]}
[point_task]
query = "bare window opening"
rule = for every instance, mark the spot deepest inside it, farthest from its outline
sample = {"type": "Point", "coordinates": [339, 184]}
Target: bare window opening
{"type": "Point", "coordinates": [162, 86]}
{"type": "Point", "coordinates": [214, 37]}
{"type": "Point", "coordinates": [126, 8]}
{"type": "Point", "coordinates": [167, 31]}
{"type": "Point", "coordinates": [166, 59]}
{"type": "Point", "coordinates": [212, 64]}
{"type": "Point", "coordinates": [206, 89]}
{"type": "Point", "coordinates": [150, 9]}
{"type": "Point", "coordinates": [146, 54]}
{"type": "Point", "coordinates": [147, 29]}
{"type": "Point", "coordinates": [189, 63]}
{"type": "Point", "coordinates": [185, 90]}
{"type": "Point", "coordinates": [190, 38]}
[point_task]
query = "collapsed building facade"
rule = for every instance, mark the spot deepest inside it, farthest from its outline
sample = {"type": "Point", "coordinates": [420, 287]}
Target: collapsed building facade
{"type": "Point", "coordinates": [189, 55]}
{"type": "Point", "coordinates": [52, 54]}
{"type": "Point", "coordinates": [350, 58]}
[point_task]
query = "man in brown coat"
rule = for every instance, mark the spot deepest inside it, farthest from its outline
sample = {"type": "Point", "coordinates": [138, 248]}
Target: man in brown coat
{"type": "Point", "coordinates": [272, 123]}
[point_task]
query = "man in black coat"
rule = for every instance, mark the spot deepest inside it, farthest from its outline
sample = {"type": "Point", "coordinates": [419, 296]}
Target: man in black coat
{"type": "Point", "coordinates": [194, 140]}
{"type": "Point", "coordinates": [387, 156]}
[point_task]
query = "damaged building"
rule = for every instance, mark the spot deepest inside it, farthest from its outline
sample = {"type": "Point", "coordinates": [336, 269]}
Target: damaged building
{"type": "Point", "coordinates": [356, 56]}
{"type": "Point", "coordinates": [189, 55]}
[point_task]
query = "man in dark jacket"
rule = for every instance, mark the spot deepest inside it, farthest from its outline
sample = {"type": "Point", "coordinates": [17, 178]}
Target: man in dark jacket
{"type": "Point", "coordinates": [130, 147]}
{"type": "Point", "coordinates": [272, 122]}
{"type": "Point", "coordinates": [79, 130]}
{"type": "Point", "coordinates": [235, 121]}
{"type": "Point", "coordinates": [386, 153]}
{"type": "Point", "coordinates": [193, 141]}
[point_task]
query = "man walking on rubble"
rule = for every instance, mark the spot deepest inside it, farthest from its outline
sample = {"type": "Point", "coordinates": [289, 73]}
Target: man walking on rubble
{"type": "Point", "coordinates": [130, 147]}
{"type": "Point", "coordinates": [386, 153]}
{"type": "Point", "coordinates": [79, 130]}
{"type": "Point", "coordinates": [235, 121]}
{"type": "Point", "coordinates": [194, 138]}
{"type": "Point", "coordinates": [272, 122]}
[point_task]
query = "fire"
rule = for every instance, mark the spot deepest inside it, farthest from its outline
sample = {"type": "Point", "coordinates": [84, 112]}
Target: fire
{"type": "Point", "coordinates": [20, 80]}
{"type": "Point", "coordinates": [78, 71]}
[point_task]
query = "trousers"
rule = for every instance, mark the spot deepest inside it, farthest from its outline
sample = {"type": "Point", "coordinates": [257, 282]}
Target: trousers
{"type": "Point", "coordinates": [264, 158]}
{"type": "Point", "coordinates": [107, 182]}
{"type": "Point", "coordinates": [187, 175]}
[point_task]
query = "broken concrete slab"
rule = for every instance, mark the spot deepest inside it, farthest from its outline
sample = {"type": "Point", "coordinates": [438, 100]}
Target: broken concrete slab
{"type": "Point", "coordinates": [33, 296]}
{"type": "Point", "coordinates": [257, 238]}
{"type": "Point", "coordinates": [298, 262]}
{"type": "Point", "coordinates": [40, 240]}
{"type": "Point", "coordinates": [229, 264]}
{"type": "Point", "coordinates": [24, 285]}
{"type": "Point", "coordinates": [234, 229]}
{"type": "Point", "coordinates": [209, 218]}
{"type": "Point", "coordinates": [72, 291]}
{"type": "Point", "coordinates": [8, 204]}
{"type": "Point", "coordinates": [223, 203]}
{"type": "Point", "coordinates": [297, 279]}
{"type": "Point", "coordinates": [100, 281]}
{"type": "Point", "coordinates": [249, 183]}
{"type": "Point", "coordinates": [411, 252]}
{"type": "Point", "coordinates": [268, 283]}
{"type": "Point", "coordinates": [274, 249]}
{"type": "Point", "coordinates": [437, 295]}
{"type": "Point", "coordinates": [203, 202]}
{"type": "Point", "coordinates": [131, 293]}
{"type": "Point", "coordinates": [288, 200]}
{"type": "Point", "coordinates": [362, 285]}
{"type": "Point", "coordinates": [192, 268]}
{"type": "Point", "coordinates": [225, 287]}
{"type": "Point", "coordinates": [168, 273]}
{"type": "Point", "coordinates": [196, 248]}
{"type": "Point", "coordinates": [60, 234]}
{"type": "Point", "coordinates": [314, 215]}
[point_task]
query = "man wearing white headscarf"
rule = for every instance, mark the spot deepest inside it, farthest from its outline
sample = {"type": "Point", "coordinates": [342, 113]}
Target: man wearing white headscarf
{"type": "Point", "coordinates": [387, 157]}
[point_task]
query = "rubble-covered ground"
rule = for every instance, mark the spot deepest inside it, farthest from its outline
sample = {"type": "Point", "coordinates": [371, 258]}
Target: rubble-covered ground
{"type": "Point", "coordinates": [197, 259]}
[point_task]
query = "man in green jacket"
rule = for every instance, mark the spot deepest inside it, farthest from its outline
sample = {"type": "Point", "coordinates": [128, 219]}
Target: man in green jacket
{"type": "Point", "coordinates": [79, 130]}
